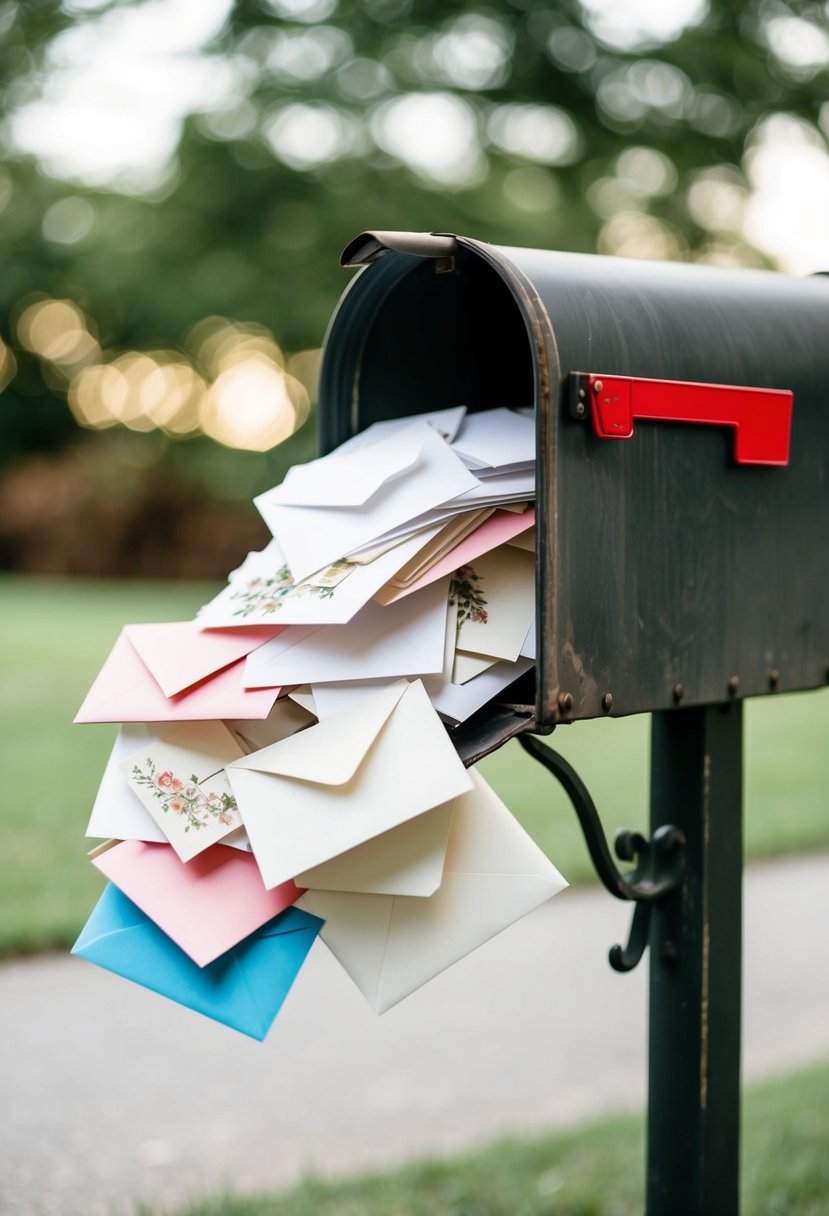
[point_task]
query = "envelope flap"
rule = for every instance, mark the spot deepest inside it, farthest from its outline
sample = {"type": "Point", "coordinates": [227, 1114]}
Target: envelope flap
{"type": "Point", "coordinates": [349, 480]}
{"type": "Point", "coordinates": [331, 752]}
{"type": "Point", "coordinates": [112, 915]}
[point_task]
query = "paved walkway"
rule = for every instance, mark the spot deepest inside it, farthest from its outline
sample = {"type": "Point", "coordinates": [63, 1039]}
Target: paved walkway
{"type": "Point", "coordinates": [111, 1094]}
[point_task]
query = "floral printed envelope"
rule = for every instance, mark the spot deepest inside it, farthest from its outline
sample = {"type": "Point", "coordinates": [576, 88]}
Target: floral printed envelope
{"type": "Point", "coordinates": [181, 781]}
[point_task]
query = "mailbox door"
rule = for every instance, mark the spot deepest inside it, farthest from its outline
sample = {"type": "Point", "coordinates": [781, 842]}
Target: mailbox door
{"type": "Point", "coordinates": [667, 573]}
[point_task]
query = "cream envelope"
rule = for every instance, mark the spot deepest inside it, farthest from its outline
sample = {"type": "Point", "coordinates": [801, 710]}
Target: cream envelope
{"type": "Point", "coordinates": [503, 527]}
{"type": "Point", "coordinates": [408, 860]}
{"type": "Point", "coordinates": [348, 479]}
{"type": "Point", "coordinates": [495, 597]}
{"type": "Point", "coordinates": [467, 666]}
{"type": "Point", "coordinates": [312, 537]}
{"type": "Point", "coordinates": [286, 718]}
{"type": "Point", "coordinates": [206, 906]}
{"type": "Point", "coordinates": [125, 691]}
{"type": "Point", "coordinates": [179, 654]}
{"type": "Point", "coordinates": [348, 779]}
{"type": "Point", "coordinates": [180, 780]}
{"type": "Point", "coordinates": [392, 944]}
{"type": "Point", "coordinates": [405, 639]}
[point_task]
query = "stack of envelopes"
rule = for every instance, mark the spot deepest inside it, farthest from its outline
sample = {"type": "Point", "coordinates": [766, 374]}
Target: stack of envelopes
{"type": "Point", "coordinates": [285, 768]}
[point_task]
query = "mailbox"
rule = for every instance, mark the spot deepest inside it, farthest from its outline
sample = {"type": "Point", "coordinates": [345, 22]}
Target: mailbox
{"type": "Point", "coordinates": [683, 451]}
{"type": "Point", "coordinates": [682, 565]}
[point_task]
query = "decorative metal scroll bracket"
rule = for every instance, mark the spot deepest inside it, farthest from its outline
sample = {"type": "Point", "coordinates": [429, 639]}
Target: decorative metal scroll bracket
{"type": "Point", "coordinates": [660, 861]}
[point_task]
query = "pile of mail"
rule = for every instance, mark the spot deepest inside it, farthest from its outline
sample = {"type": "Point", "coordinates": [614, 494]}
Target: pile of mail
{"type": "Point", "coordinates": [285, 767]}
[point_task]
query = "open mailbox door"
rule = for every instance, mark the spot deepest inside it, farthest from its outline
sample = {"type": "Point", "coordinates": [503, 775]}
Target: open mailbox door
{"type": "Point", "coordinates": [671, 569]}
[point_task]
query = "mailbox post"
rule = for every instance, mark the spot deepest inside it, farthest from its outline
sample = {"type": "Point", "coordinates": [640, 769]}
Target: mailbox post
{"type": "Point", "coordinates": [682, 566]}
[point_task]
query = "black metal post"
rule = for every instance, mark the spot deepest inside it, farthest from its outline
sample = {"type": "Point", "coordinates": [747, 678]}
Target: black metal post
{"type": "Point", "coordinates": [695, 977]}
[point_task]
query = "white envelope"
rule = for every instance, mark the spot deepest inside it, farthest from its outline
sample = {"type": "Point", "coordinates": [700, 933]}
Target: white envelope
{"type": "Point", "coordinates": [496, 603]}
{"type": "Point", "coordinates": [181, 782]}
{"type": "Point", "coordinates": [380, 642]}
{"type": "Point", "coordinates": [490, 439]}
{"type": "Point", "coordinates": [445, 422]}
{"type": "Point", "coordinates": [117, 814]}
{"type": "Point", "coordinates": [491, 491]}
{"type": "Point", "coordinates": [457, 702]}
{"type": "Point", "coordinates": [313, 537]}
{"type": "Point", "coordinates": [262, 591]}
{"type": "Point", "coordinates": [353, 776]}
{"type": "Point", "coordinates": [347, 479]}
{"type": "Point", "coordinates": [408, 860]}
{"type": "Point", "coordinates": [392, 944]}
{"type": "Point", "coordinates": [336, 698]}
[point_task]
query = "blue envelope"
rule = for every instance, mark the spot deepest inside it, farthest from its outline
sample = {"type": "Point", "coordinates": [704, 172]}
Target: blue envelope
{"type": "Point", "coordinates": [244, 988]}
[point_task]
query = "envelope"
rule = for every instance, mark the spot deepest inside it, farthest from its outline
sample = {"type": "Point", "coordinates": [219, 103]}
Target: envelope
{"type": "Point", "coordinates": [312, 537]}
{"type": "Point", "coordinates": [493, 439]}
{"type": "Point", "coordinates": [244, 989]}
{"type": "Point", "coordinates": [445, 422]}
{"type": "Point", "coordinates": [287, 717]}
{"type": "Point", "coordinates": [180, 654]}
{"type": "Point", "coordinates": [117, 813]}
{"type": "Point", "coordinates": [392, 944]}
{"type": "Point", "coordinates": [125, 691]}
{"type": "Point", "coordinates": [348, 779]}
{"type": "Point", "coordinates": [406, 639]}
{"type": "Point", "coordinates": [408, 860]}
{"type": "Point", "coordinates": [348, 479]}
{"type": "Point", "coordinates": [467, 666]}
{"type": "Point", "coordinates": [180, 780]}
{"type": "Point", "coordinates": [206, 906]}
{"type": "Point", "coordinates": [262, 591]}
{"type": "Point", "coordinates": [494, 490]}
{"type": "Point", "coordinates": [457, 702]}
{"type": "Point", "coordinates": [495, 598]}
{"type": "Point", "coordinates": [501, 528]}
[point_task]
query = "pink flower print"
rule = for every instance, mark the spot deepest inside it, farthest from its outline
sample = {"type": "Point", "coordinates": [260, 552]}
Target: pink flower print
{"type": "Point", "coordinates": [256, 584]}
{"type": "Point", "coordinates": [166, 781]}
{"type": "Point", "coordinates": [226, 818]}
{"type": "Point", "coordinates": [178, 804]}
{"type": "Point", "coordinates": [480, 616]}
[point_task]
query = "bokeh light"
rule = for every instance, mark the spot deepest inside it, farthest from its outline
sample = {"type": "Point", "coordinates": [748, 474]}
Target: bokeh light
{"type": "Point", "coordinates": [58, 332]}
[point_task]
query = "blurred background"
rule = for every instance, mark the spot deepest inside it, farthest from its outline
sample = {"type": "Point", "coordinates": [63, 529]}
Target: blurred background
{"type": "Point", "coordinates": [179, 178]}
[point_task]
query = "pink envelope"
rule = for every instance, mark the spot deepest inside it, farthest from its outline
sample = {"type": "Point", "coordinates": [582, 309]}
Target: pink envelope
{"type": "Point", "coordinates": [206, 905]}
{"type": "Point", "coordinates": [495, 531]}
{"type": "Point", "coordinates": [181, 653]}
{"type": "Point", "coordinates": [125, 691]}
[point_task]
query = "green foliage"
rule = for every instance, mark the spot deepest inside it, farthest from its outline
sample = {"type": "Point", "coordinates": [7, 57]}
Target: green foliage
{"type": "Point", "coordinates": [248, 230]}
{"type": "Point", "coordinates": [594, 1170]}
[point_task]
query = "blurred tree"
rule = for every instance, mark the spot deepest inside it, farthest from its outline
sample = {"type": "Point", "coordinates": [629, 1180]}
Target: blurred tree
{"type": "Point", "coordinates": [561, 124]}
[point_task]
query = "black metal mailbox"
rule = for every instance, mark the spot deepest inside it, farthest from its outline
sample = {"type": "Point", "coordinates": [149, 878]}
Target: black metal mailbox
{"type": "Point", "coordinates": [667, 571]}
{"type": "Point", "coordinates": [677, 572]}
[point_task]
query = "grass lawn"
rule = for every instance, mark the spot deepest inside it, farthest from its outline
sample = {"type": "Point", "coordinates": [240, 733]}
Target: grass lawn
{"type": "Point", "coordinates": [595, 1170]}
{"type": "Point", "coordinates": [57, 633]}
